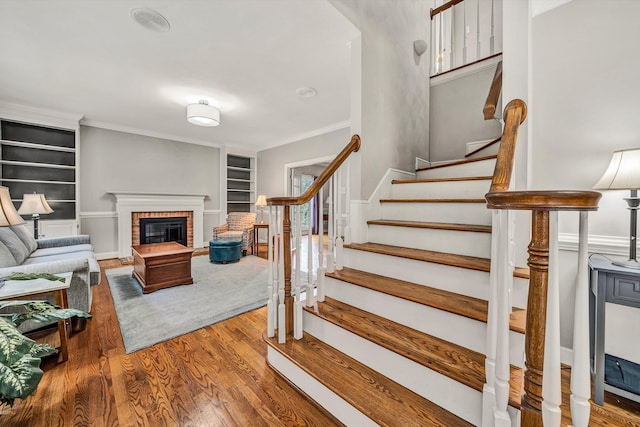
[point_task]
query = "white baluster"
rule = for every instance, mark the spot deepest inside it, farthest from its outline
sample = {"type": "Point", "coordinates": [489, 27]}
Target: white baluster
{"type": "Point", "coordinates": [309, 298]}
{"type": "Point", "coordinates": [347, 204]}
{"type": "Point", "coordinates": [271, 304]}
{"type": "Point", "coordinates": [282, 331]}
{"type": "Point", "coordinates": [330, 224]}
{"type": "Point", "coordinates": [478, 56]}
{"type": "Point", "coordinates": [320, 271]}
{"type": "Point", "coordinates": [452, 30]}
{"type": "Point", "coordinates": [339, 218]}
{"type": "Point", "coordinates": [502, 365]}
{"type": "Point", "coordinates": [297, 320]}
{"type": "Point", "coordinates": [580, 371]}
{"type": "Point", "coordinates": [551, 376]}
{"type": "Point", "coordinates": [492, 37]}
{"type": "Point", "coordinates": [464, 33]}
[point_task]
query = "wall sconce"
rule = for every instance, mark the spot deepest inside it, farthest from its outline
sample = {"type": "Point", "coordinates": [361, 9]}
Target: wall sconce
{"type": "Point", "coordinates": [420, 47]}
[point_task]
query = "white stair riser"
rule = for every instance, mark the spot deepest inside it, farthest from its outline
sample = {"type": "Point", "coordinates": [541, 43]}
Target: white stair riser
{"type": "Point", "coordinates": [438, 323]}
{"type": "Point", "coordinates": [449, 241]}
{"type": "Point", "coordinates": [453, 396]}
{"type": "Point", "coordinates": [333, 403]}
{"type": "Point", "coordinates": [440, 190]}
{"type": "Point", "coordinates": [453, 279]}
{"type": "Point", "coordinates": [479, 168]}
{"type": "Point", "coordinates": [455, 213]}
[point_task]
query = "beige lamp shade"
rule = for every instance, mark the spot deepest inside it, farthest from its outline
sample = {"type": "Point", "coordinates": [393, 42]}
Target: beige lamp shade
{"type": "Point", "coordinates": [34, 204]}
{"type": "Point", "coordinates": [262, 200]}
{"type": "Point", "coordinates": [8, 214]}
{"type": "Point", "coordinates": [623, 172]}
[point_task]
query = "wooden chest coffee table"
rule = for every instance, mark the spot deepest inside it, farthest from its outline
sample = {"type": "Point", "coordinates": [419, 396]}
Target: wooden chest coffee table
{"type": "Point", "coordinates": [161, 265]}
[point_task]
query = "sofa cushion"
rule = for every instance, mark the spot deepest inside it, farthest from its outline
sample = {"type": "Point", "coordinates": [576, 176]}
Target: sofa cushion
{"type": "Point", "coordinates": [60, 250]}
{"type": "Point", "coordinates": [6, 259]}
{"type": "Point", "coordinates": [25, 236]}
{"type": "Point", "coordinates": [58, 257]}
{"type": "Point", "coordinates": [14, 244]}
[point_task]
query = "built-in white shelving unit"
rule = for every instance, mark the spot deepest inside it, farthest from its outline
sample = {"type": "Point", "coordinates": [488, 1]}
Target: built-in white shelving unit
{"type": "Point", "coordinates": [240, 183]}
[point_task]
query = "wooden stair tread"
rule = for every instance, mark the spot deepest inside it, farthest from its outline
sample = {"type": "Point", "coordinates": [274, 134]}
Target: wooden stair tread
{"type": "Point", "coordinates": [433, 201]}
{"type": "Point", "coordinates": [462, 305]}
{"type": "Point", "coordinates": [415, 181]}
{"type": "Point", "coordinates": [432, 225]}
{"type": "Point", "coordinates": [362, 387]}
{"type": "Point", "coordinates": [458, 162]}
{"type": "Point", "coordinates": [454, 361]}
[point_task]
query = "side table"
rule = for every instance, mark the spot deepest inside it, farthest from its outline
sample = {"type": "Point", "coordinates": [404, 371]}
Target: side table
{"type": "Point", "coordinates": [613, 284]}
{"type": "Point", "coordinates": [255, 250]}
{"type": "Point", "coordinates": [27, 289]}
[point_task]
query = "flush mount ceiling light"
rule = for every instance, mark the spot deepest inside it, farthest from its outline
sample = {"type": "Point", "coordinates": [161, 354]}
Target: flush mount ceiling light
{"type": "Point", "coordinates": [306, 92]}
{"type": "Point", "coordinates": [150, 19]}
{"type": "Point", "coordinates": [203, 114]}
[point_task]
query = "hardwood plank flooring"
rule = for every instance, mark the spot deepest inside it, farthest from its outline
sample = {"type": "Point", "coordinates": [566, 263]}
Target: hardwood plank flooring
{"type": "Point", "coordinates": [215, 376]}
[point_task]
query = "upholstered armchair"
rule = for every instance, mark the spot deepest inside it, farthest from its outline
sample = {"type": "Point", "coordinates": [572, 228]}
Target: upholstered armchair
{"type": "Point", "coordinates": [240, 225]}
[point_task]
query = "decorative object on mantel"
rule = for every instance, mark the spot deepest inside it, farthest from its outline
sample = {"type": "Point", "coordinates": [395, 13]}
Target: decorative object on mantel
{"type": "Point", "coordinates": [8, 214]}
{"type": "Point", "coordinates": [623, 173]}
{"type": "Point", "coordinates": [34, 205]}
{"type": "Point", "coordinates": [203, 114]}
{"type": "Point", "coordinates": [261, 202]}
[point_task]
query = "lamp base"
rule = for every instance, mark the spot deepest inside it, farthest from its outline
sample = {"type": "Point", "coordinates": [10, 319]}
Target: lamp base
{"type": "Point", "coordinates": [632, 263]}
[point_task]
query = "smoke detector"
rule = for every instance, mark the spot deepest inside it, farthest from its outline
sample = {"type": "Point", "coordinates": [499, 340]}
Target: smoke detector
{"type": "Point", "coordinates": [150, 19]}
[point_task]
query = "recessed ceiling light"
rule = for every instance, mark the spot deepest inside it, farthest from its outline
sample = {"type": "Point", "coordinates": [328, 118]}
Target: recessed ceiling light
{"type": "Point", "coordinates": [150, 19]}
{"type": "Point", "coordinates": [306, 92]}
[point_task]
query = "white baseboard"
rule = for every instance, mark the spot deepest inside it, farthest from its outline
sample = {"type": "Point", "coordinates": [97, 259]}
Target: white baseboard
{"type": "Point", "coordinates": [609, 245]}
{"type": "Point", "coordinates": [106, 255]}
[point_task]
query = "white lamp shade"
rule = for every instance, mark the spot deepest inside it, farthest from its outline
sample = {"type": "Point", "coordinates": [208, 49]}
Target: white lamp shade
{"type": "Point", "coordinates": [8, 214]}
{"type": "Point", "coordinates": [34, 204]}
{"type": "Point", "coordinates": [262, 200]}
{"type": "Point", "coordinates": [203, 114]}
{"type": "Point", "coordinates": [623, 172]}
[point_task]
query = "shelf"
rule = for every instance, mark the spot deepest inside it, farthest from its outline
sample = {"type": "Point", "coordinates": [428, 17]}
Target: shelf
{"type": "Point", "coordinates": [37, 146]}
{"type": "Point", "coordinates": [240, 180]}
{"type": "Point", "coordinates": [237, 190]}
{"type": "Point", "coordinates": [34, 181]}
{"type": "Point", "coordinates": [36, 165]}
{"type": "Point", "coordinates": [235, 168]}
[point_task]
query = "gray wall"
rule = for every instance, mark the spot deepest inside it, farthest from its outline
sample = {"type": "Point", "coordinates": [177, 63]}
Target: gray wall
{"type": "Point", "coordinates": [585, 106]}
{"type": "Point", "coordinates": [119, 161]}
{"type": "Point", "coordinates": [271, 174]}
{"type": "Point", "coordinates": [455, 115]}
{"type": "Point", "coordinates": [395, 86]}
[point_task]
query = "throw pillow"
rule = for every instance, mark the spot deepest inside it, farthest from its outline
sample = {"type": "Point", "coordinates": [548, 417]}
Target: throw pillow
{"type": "Point", "coordinates": [14, 244]}
{"type": "Point", "coordinates": [6, 259]}
{"type": "Point", "coordinates": [25, 236]}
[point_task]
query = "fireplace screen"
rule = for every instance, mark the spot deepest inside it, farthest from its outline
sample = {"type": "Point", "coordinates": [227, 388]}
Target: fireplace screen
{"type": "Point", "coordinates": [159, 230]}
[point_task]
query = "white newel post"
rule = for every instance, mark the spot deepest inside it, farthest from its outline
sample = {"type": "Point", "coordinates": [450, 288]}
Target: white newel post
{"type": "Point", "coordinates": [330, 224]}
{"type": "Point", "coordinates": [347, 204]}
{"type": "Point", "coordinates": [488, 390]}
{"type": "Point", "coordinates": [339, 217]}
{"type": "Point", "coordinates": [580, 371]}
{"type": "Point", "coordinates": [551, 377]}
{"type": "Point", "coordinates": [297, 316]}
{"type": "Point", "coordinates": [282, 329]}
{"type": "Point", "coordinates": [309, 292]}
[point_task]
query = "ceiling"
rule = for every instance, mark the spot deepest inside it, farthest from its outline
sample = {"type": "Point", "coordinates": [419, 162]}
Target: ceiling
{"type": "Point", "coordinates": [246, 57]}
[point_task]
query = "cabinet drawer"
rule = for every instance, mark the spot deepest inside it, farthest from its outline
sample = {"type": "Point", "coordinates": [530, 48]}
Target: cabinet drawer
{"type": "Point", "coordinates": [625, 290]}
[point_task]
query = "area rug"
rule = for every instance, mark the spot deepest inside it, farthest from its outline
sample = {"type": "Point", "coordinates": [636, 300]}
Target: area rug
{"type": "Point", "coordinates": [218, 293]}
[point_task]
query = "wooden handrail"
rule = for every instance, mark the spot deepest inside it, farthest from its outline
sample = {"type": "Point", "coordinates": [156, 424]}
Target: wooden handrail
{"type": "Point", "coordinates": [487, 145]}
{"type": "Point", "coordinates": [444, 7]}
{"type": "Point", "coordinates": [353, 146]}
{"type": "Point", "coordinates": [490, 104]}
{"type": "Point", "coordinates": [514, 114]}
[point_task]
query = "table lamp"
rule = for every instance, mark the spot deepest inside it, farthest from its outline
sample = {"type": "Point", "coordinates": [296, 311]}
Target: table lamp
{"type": "Point", "coordinates": [8, 214]}
{"type": "Point", "coordinates": [262, 202]}
{"type": "Point", "coordinates": [623, 173]}
{"type": "Point", "coordinates": [34, 205]}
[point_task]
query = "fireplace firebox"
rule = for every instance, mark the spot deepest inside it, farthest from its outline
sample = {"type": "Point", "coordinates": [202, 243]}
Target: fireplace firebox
{"type": "Point", "coordinates": [159, 230]}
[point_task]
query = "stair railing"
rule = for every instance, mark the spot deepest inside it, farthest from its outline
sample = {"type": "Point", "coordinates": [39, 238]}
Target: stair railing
{"type": "Point", "coordinates": [453, 45]}
{"type": "Point", "coordinates": [284, 305]}
{"type": "Point", "coordinates": [490, 105]}
{"type": "Point", "coordinates": [542, 377]}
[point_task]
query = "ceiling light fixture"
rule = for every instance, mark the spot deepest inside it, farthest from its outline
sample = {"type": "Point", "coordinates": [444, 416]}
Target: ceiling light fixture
{"type": "Point", "coordinates": [203, 114]}
{"type": "Point", "coordinates": [150, 19]}
{"type": "Point", "coordinates": [306, 92]}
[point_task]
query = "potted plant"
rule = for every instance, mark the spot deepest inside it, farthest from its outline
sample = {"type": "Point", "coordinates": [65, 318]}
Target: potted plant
{"type": "Point", "coordinates": [20, 356]}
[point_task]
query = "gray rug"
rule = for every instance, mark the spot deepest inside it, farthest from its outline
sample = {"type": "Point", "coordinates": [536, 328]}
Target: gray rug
{"type": "Point", "coordinates": [218, 293]}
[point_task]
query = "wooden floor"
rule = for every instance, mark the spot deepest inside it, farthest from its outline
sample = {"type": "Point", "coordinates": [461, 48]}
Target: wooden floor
{"type": "Point", "coordinates": [216, 376]}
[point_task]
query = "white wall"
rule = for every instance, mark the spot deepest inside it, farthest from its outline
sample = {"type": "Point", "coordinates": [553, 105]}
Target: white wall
{"type": "Point", "coordinates": [394, 86]}
{"type": "Point", "coordinates": [119, 161]}
{"type": "Point", "coordinates": [585, 94]}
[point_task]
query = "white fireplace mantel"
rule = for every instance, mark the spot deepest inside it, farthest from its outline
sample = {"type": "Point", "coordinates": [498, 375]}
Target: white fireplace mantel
{"type": "Point", "coordinates": [128, 202]}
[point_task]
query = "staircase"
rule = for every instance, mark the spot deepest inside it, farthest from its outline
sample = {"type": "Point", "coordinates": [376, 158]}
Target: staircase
{"type": "Point", "coordinates": [400, 337]}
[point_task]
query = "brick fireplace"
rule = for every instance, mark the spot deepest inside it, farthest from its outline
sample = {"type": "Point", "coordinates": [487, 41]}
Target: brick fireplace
{"type": "Point", "coordinates": [135, 223]}
{"type": "Point", "coordinates": [132, 206]}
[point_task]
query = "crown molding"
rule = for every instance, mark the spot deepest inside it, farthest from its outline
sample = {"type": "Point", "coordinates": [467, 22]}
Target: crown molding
{"type": "Point", "coordinates": [39, 116]}
{"type": "Point", "coordinates": [306, 135]}
{"type": "Point", "coordinates": [146, 132]}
